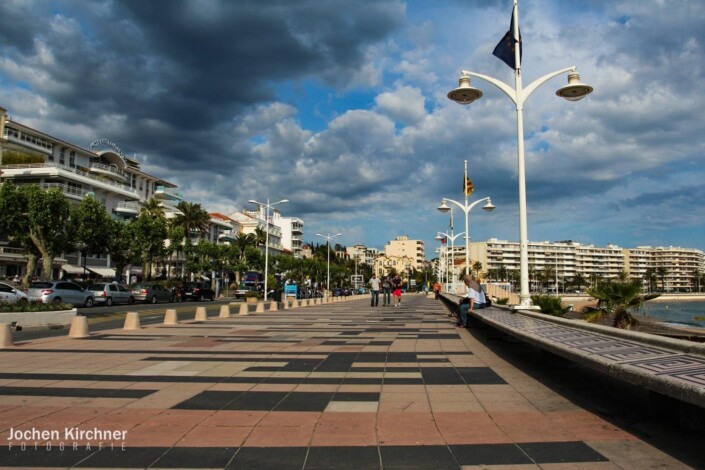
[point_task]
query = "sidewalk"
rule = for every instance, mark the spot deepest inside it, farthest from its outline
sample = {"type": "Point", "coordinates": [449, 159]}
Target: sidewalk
{"type": "Point", "coordinates": [340, 385]}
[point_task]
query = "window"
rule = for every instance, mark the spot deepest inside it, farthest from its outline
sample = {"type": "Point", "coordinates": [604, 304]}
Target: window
{"type": "Point", "coordinates": [72, 159]}
{"type": "Point", "coordinates": [62, 153]}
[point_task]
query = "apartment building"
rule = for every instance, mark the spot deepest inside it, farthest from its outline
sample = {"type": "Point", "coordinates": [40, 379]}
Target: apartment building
{"type": "Point", "coordinates": [362, 254]}
{"type": "Point", "coordinates": [29, 156]}
{"type": "Point", "coordinates": [402, 247]}
{"type": "Point", "coordinates": [292, 232]}
{"type": "Point", "coordinates": [249, 221]}
{"type": "Point", "coordinates": [567, 259]}
{"type": "Point", "coordinates": [383, 265]}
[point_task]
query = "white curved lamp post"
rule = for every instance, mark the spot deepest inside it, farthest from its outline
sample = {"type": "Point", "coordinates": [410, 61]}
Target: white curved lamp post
{"type": "Point", "coordinates": [465, 93]}
{"type": "Point", "coordinates": [266, 205]}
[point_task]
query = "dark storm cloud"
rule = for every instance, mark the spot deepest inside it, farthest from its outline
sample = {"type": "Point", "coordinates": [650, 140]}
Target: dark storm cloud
{"type": "Point", "coordinates": [179, 69]}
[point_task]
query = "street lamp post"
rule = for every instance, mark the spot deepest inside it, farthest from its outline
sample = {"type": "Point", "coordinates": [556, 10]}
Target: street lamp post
{"type": "Point", "coordinates": [444, 207]}
{"type": "Point", "coordinates": [466, 94]}
{"type": "Point", "coordinates": [452, 253]}
{"type": "Point", "coordinates": [328, 238]}
{"type": "Point", "coordinates": [267, 206]}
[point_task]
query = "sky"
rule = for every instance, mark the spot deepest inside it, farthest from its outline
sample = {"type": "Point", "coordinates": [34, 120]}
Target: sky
{"type": "Point", "coordinates": [340, 107]}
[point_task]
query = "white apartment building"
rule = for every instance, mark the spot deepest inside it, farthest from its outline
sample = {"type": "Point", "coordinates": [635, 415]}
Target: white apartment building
{"type": "Point", "coordinates": [29, 156]}
{"type": "Point", "coordinates": [402, 247]}
{"type": "Point", "coordinates": [249, 221]}
{"type": "Point", "coordinates": [383, 264]}
{"type": "Point", "coordinates": [292, 232]}
{"type": "Point", "coordinates": [568, 259]}
{"type": "Point", "coordinates": [362, 253]}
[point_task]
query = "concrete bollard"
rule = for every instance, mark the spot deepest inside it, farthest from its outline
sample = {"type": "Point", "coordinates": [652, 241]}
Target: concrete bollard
{"type": "Point", "coordinates": [170, 317]}
{"type": "Point", "coordinates": [224, 311]}
{"type": "Point", "coordinates": [201, 314]}
{"type": "Point", "coordinates": [274, 306]}
{"type": "Point", "coordinates": [285, 304]}
{"type": "Point", "coordinates": [79, 327]}
{"type": "Point", "coordinates": [295, 303]}
{"type": "Point", "coordinates": [5, 336]}
{"type": "Point", "coordinates": [244, 309]}
{"type": "Point", "coordinates": [132, 321]}
{"type": "Point", "coordinates": [260, 307]}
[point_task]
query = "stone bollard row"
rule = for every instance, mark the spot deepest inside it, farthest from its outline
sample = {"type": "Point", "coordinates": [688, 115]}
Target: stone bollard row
{"type": "Point", "coordinates": [6, 335]}
{"type": "Point", "coordinates": [132, 321]}
{"type": "Point", "coordinates": [244, 309]}
{"type": "Point", "coordinates": [260, 307]}
{"type": "Point", "coordinates": [79, 327]}
{"type": "Point", "coordinates": [170, 317]}
{"type": "Point", "coordinates": [224, 311]}
{"type": "Point", "coordinates": [274, 306]}
{"type": "Point", "coordinates": [201, 314]}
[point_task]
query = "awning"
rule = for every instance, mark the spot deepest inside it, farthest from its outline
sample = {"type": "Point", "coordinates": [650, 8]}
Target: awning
{"type": "Point", "coordinates": [72, 269]}
{"type": "Point", "coordinates": [102, 272]}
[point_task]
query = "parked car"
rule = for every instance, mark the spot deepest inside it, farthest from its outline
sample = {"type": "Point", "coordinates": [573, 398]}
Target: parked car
{"type": "Point", "coordinates": [240, 292]}
{"type": "Point", "coordinates": [11, 294]}
{"type": "Point", "coordinates": [152, 293]}
{"type": "Point", "coordinates": [60, 291]}
{"type": "Point", "coordinates": [338, 292]}
{"type": "Point", "coordinates": [111, 293]}
{"type": "Point", "coordinates": [197, 291]}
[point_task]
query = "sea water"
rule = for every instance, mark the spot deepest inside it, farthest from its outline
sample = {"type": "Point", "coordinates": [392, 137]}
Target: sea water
{"type": "Point", "coordinates": [690, 313]}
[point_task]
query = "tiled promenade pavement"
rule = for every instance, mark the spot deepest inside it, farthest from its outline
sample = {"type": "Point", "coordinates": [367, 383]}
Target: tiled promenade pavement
{"type": "Point", "coordinates": [330, 386]}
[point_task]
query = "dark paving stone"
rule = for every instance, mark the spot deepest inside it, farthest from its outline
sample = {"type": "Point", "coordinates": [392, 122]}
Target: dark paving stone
{"type": "Point", "coordinates": [403, 381]}
{"type": "Point", "coordinates": [422, 457]}
{"type": "Point", "coordinates": [131, 457]}
{"type": "Point", "coordinates": [489, 454]}
{"type": "Point", "coordinates": [402, 357]}
{"type": "Point", "coordinates": [363, 381]}
{"type": "Point", "coordinates": [356, 396]}
{"type": "Point", "coordinates": [342, 458]}
{"type": "Point", "coordinates": [480, 376]}
{"type": "Point", "coordinates": [438, 336]}
{"type": "Point", "coordinates": [322, 380]}
{"type": "Point", "coordinates": [372, 357]}
{"type": "Point", "coordinates": [256, 401]}
{"type": "Point", "coordinates": [215, 400]}
{"type": "Point", "coordinates": [282, 380]}
{"type": "Point", "coordinates": [305, 401]}
{"type": "Point", "coordinates": [558, 452]}
{"type": "Point", "coordinates": [441, 376]}
{"type": "Point", "coordinates": [31, 458]}
{"type": "Point", "coordinates": [280, 458]}
{"type": "Point", "coordinates": [302, 365]}
{"type": "Point", "coordinates": [196, 457]}
{"type": "Point", "coordinates": [74, 392]}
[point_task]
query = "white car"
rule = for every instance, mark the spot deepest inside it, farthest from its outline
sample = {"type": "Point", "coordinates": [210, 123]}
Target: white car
{"type": "Point", "coordinates": [11, 294]}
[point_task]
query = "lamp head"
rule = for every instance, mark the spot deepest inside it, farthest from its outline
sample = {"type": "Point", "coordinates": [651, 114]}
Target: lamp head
{"type": "Point", "coordinates": [439, 237]}
{"type": "Point", "coordinates": [252, 201]}
{"type": "Point", "coordinates": [489, 207]}
{"type": "Point", "coordinates": [465, 93]}
{"type": "Point", "coordinates": [443, 207]}
{"type": "Point", "coordinates": [575, 90]}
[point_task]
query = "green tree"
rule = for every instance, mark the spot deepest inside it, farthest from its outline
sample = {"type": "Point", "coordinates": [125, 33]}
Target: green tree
{"type": "Point", "coordinates": [48, 217]}
{"type": "Point", "coordinates": [14, 224]}
{"type": "Point", "coordinates": [194, 220]}
{"type": "Point", "coordinates": [153, 208]}
{"type": "Point", "coordinates": [616, 302]}
{"type": "Point", "coordinates": [148, 238]}
{"type": "Point", "coordinates": [121, 247]}
{"type": "Point", "coordinates": [661, 272]}
{"type": "Point", "coordinates": [91, 226]}
{"type": "Point", "coordinates": [477, 267]}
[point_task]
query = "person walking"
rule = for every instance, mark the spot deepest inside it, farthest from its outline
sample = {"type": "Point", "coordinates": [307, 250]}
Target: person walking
{"type": "Point", "coordinates": [374, 290]}
{"type": "Point", "coordinates": [387, 292]}
{"type": "Point", "coordinates": [396, 290]}
{"type": "Point", "coordinates": [437, 289]}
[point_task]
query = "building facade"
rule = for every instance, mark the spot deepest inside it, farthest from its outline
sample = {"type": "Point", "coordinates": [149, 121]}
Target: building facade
{"type": "Point", "coordinates": [292, 232]}
{"type": "Point", "coordinates": [402, 247]}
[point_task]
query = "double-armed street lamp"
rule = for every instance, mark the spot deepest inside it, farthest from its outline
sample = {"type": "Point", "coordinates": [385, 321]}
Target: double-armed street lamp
{"type": "Point", "coordinates": [267, 205]}
{"type": "Point", "coordinates": [444, 207]}
{"type": "Point", "coordinates": [509, 50]}
{"type": "Point", "coordinates": [441, 236]}
{"type": "Point", "coordinates": [328, 238]}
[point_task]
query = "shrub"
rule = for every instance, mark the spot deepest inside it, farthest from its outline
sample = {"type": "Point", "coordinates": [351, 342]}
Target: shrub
{"type": "Point", "coordinates": [33, 307]}
{"type": "Point", "coordinates": [549, 305]}
{"type": "Point", "coordinates": [252, 293]}
{"type": "Point", "coordinates": [502, 301]}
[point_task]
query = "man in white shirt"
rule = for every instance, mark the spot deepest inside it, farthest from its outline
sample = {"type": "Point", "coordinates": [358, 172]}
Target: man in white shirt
{"type": "Point", "coordinates": [374, 289]}
{"type": "Point", "coordinates": [474, 296]}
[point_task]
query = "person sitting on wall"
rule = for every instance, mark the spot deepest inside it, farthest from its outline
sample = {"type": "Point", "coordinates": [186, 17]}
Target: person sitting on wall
{"type": "Point", "coordinates": [474, 298]}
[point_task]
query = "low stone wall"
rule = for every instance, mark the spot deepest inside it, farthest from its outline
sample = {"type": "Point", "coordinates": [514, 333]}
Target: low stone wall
{"type": "Point", "coordinates": [38, 319]}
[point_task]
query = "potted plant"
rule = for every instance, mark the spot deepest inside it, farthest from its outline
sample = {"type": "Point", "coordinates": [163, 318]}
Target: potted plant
{"type": "Point", "coordinates": [252, 297]}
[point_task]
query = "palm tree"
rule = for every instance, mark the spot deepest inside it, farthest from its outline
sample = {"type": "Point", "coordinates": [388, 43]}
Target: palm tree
{"type": "Point", "coordinates": [616, 300]}
{"type": "Point", "coordinates": [477, 267]}
{"type": "Point", "coordinates": [661, 272]}
{"type": "Point", "coordinates": [153, 208]}
{"type": "Point", "coordinates": [192, 218]}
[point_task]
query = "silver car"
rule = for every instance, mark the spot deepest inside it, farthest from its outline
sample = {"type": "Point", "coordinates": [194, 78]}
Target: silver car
{"type": "Point", "coordinates": [110, 293]}
{"type": "Point", "coordinates": [60, 291]}
{"type": "Point", "coordinates": [152, 293]}
{"type": "Point", "coordinates": [11, 294]}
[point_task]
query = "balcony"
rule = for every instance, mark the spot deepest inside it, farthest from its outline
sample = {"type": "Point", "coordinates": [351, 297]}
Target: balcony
{"type": "Point", "coordinates": [227, 236]}
{"type": "Point", "coordinates": [128, 207]}
{"type": "Point", "coordinates": [69, 191]}
{"type": "Point", "coordinates": [162, 192]}
{"type": "Point", "coordinates": [109, 171]}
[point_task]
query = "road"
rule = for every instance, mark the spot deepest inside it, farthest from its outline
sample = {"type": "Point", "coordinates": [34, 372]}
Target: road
{"type": "Point", "coordinates": [107, 318]}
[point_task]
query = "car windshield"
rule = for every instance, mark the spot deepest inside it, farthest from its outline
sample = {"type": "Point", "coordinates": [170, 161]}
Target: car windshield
{"type": "Point", "coordinates": [96, 287]}
{"type": "Point", "coordinates": [142, 286]}
{"type": "Point", "coordinates": [40, 285]}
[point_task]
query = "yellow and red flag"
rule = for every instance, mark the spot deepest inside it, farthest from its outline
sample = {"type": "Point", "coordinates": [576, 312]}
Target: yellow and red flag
{"type": "Point", "coordinates": [468, 188]}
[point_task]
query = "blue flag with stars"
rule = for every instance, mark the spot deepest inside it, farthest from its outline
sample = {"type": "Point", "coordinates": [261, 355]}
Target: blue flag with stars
{"type": "Point", "coordinates": [506, 47]}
